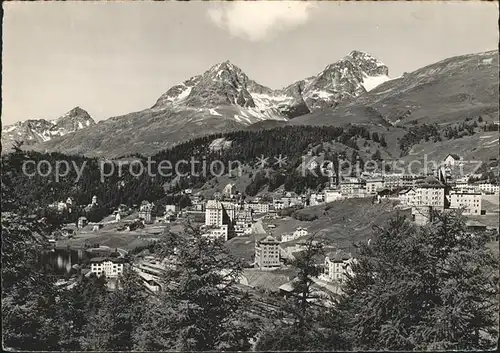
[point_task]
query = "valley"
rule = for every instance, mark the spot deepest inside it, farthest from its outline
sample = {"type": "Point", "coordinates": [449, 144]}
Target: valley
{"type": "Point", "coordinates": [261, 176]}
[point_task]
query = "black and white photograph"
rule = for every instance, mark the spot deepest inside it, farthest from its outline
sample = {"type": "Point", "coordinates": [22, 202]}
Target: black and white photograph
{"type": "Point", "coordinates": [250, 176]}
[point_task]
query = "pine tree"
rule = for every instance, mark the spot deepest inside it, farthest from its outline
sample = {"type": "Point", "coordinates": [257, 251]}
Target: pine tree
{"type": "Point", "coordinates": [113, 326]}
{"type": "Point", "coordinates": [305, 263]}
{"type": "Point", "coordinates": [423, 288]}
{"type": "Point", "coordinates": [77, 307]}
{"type": "Point", "coordinates": [315, 327]}
{"type": "Point", "coordinates": [28, 292]}
{"type": "Point", "coordinates": [382, 141]}
{"type": "Point", "coordinates": [200, 307]}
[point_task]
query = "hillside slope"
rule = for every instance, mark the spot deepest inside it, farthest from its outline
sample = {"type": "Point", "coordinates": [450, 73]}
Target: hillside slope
{"type": "Point", "coordinates": [445, 92]}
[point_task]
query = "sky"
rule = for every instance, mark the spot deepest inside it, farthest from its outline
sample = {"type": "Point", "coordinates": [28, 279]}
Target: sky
{"type": "Point", "coordinates": [113, 58]}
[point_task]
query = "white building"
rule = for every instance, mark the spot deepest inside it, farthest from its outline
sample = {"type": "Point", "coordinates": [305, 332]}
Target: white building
{"type": "Point", "coordinates": [430, 192]}
{"type": "Point", "coordinates": [111, 267]}
{"type": "Point", "coordinates": [245, 216]}
{"type": "Point", "coordinates": [451, 160]}
{"type": "Point", "coordinates": [300, 232]}
{"type": "Point", "coordinates": [462, 183]}
{"type": "Point", "coordinates": [244, 221]}
{"type": "Point", "coordinates": [60, 206]}
{"type": "Point", "coordinates": [243, 228]}
{"type": "Point", "coordinates": [258, 207]}
{"type": "Point", "coordinates": [353, 187]}
{"type": "Point", "coordinates": [338, 265]}
{"type": "Point", "coordinates": [218, 213]}
{"type": "Point", "coordinates": [217, 232]}
{"type": "Point", "coordinates": [488, 188]}
{"type": "Point", "coordinates": [407, 197]}
{"type": "Point", "coordinates": [374, 184]}
{"type": "Point", "coordinates": [290, 199]}
{"type": "Point", "coordinates": [267, 253]}
{"type": "Point", "coordinates": [429, 197]}
{"type": "Point", "coordinates": [278, 205]}
{"type": "Point", "coordinates": [287, 237]}
{"type": "Point", "coordinates": [171, 208]}
{"type": "Point", "coordinates": [332, 195]}
{"type": "Point", "coordinates": [228, 190]}
{"type": "Point", "coordinates": [316, 199]}
{"type": "Point", "coordinates": [145, 211]}
{"type": "Point", "coordinates": [469, 202]}
{"type": "Point", "coordinates": [393, 181]}
{"type": "Point", "coordinates": [421, 215]}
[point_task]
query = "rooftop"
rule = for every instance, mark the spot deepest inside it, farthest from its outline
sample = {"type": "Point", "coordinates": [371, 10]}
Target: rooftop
{"type": "Point", "coordinates": [430, 182]}
{"type": "Point", "coordinates": [269, 240]}
{"type": "Point", "coordinates": [339, 256]}
{"type": "Point", "coordinates": [103, 259]}
{"type": "Point", "coordinates": [454, 156]}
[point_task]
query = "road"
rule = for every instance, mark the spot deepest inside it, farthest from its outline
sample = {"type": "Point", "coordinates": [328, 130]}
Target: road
{"type": "Point", "coordinates": [258, 227]}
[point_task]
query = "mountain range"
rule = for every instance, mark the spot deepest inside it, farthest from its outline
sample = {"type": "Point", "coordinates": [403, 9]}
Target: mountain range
{"type": "Point", "coordinates": [33, 131]}
{"type": "Point", "coordinates": [221, 99]}
{"type": "Point", "coordinates": [445, 92]}
{"type": "Point", "coordinates": [356, 89]}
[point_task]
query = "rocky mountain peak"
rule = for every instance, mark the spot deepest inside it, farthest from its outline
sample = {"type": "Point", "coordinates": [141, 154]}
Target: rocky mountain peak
{"type": "Point", "coordinates": [222, 84]}
{"type": "Point", "coordinates": [226, 72]}
{"type": "Point", "coordinates": [367, 63]}
{"type": "Point", "coordinates": [344, 80]}
{"type": "Point", "coordinates": [225, 84]}
{"type": "Point", "coordinates": [76, 119]}
{"type": "Point", "coordinates": [226, 66]}
{"type": "Point", "coordinates": [76, 113]}
{"type": "Point", "coordinates": [32, 131]}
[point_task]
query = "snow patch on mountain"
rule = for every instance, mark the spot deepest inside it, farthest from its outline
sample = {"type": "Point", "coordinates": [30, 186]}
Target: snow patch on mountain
{"type": "Point", "coordinates": [183, 95]}
{"type": "Point", "coordinates": [225, 85]}
{"type": "Point", "coordinates": [40, 130]}
{"type": "Point", "coordinates": [370, 82]}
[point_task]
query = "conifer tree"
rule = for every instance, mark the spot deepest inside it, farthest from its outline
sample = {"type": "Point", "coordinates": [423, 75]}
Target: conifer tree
{"type": "Point", "coordinates": [423, 288]}
{"type": "Point", "coordinates": [200, 307]}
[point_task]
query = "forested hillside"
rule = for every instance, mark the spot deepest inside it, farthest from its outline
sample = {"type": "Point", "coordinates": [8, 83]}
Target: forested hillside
{"type": "Point", "coordinates": [121, 181]}
{"type": "Point", "coordinates": [128, 186]}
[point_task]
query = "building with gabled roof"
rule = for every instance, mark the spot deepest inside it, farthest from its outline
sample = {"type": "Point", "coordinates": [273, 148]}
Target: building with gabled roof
{"type": "Point", "coordinates": [451, 160]}
{"type": "Point", "coordinates": [338, 265]}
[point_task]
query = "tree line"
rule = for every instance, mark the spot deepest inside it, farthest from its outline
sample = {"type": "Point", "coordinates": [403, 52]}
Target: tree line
{"type": "Point", "coordinates": [36, 190]}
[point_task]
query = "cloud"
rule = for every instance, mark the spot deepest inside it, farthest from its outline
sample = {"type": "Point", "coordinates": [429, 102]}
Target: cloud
{"type": "Point", "coordinates": [260, 20]}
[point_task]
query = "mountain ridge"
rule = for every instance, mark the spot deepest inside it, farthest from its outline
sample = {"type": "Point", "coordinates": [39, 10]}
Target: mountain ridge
{"type": "Point", "coordinates": [446, 91]}
{"type": "Point", "coordinates": [221, 99]}
{"type": "Point", "coordinates": [224, 99]}
{"type": "Point", "coordinates": [33, 131]}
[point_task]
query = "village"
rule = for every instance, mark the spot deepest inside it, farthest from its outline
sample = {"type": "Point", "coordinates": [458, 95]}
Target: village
{"type": "Point", "coordinates": [253, 224]}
